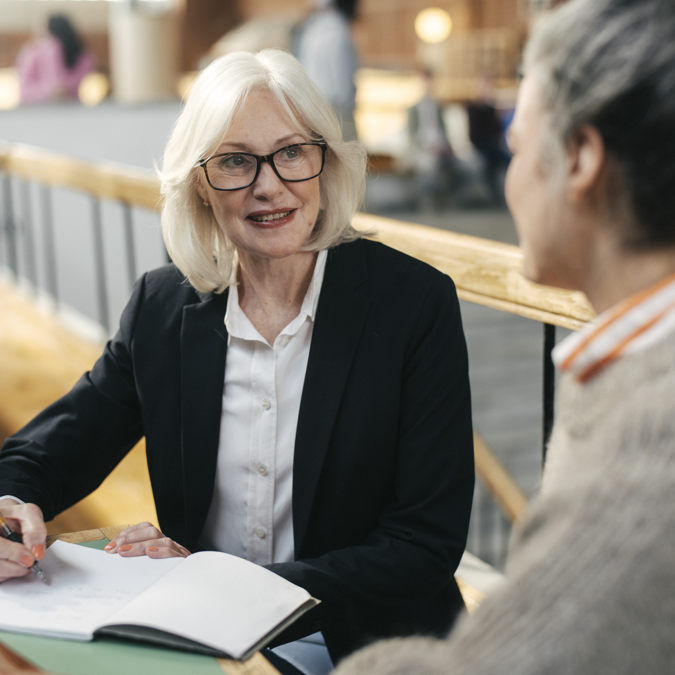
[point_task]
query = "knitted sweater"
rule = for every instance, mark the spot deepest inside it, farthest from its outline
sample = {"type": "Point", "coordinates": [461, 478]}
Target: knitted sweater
{"type": "Point", "coordinates": [591, 574]}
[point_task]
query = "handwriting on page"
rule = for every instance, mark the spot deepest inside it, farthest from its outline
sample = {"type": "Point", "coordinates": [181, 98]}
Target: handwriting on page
{"type": "Point", "coordinates": [78, 578]}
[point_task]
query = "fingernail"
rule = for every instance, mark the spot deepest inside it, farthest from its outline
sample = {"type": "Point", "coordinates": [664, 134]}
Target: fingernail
{"type": "Point", "coordinates": [110, 546]}
{"type": "Point", "coordinates": [27, 561]}
{"type": "Point", "coordinates": [38, 551]}
{"type": "Point", "coordinates": [126, 547]}
{"type": "Point", "coordinates": [154, 549]}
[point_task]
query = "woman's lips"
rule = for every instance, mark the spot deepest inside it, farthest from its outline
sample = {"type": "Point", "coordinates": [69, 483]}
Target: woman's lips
{"type": "Point", "coordinates": [272, 219]}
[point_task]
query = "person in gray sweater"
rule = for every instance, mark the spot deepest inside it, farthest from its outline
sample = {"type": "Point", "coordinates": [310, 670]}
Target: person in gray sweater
{"type": "Point", "coordinates": [591, 575]}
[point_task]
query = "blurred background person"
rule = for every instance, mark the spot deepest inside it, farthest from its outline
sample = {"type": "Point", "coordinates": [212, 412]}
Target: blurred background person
{"type": "Point", "coordinates": [437, 171]}
{"type": "Point", "coordinates": [52, 67]}
{"type": "Point", "coordinates": [487, 136]}
{"type": "Point", "coordinates": [323, 44]}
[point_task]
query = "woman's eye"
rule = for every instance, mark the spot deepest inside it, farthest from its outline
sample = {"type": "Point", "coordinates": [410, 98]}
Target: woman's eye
{"type": "Point", "coordinates": [234, 161]}
{"type": "Point", "coordinates": [291, 153]}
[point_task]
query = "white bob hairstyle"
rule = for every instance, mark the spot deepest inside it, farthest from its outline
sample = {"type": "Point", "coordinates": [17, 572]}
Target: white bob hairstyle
{"type": "Point", "coordinates": [193, 238]}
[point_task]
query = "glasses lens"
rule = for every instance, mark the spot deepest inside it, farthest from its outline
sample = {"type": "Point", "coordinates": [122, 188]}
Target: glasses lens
{"type": "Point", "coordinates": [229, 172]}
{"type": "Point", "coordinates": [298, 162]}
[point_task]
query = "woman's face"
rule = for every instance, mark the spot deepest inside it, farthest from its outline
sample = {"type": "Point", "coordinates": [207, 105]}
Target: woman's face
{"type": "Point", "coordinates": [552, 245]}
{"type": "Point", "coordinates": [270, 219]}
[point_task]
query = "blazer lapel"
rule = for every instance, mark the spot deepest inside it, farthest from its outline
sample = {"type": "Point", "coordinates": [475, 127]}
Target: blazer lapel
{"type": "Point", "coordinates": [203, 351]}
{"type": "Point", "coordinates": [337, 330]}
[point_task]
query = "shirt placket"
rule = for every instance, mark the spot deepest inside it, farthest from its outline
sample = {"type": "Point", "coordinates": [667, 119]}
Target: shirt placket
{"type": "Point", "coordinates": [262, 456]}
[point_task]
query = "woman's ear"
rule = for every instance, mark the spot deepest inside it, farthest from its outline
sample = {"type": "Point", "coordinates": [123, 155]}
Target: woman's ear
{"type": "Point", "coordinates": [201, 189]}
{"type": "Point", "coordinates": [586, 162]}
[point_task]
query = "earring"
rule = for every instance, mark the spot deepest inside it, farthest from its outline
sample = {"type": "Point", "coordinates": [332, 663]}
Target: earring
{"type": "Point", "coordinates": [207, 204]}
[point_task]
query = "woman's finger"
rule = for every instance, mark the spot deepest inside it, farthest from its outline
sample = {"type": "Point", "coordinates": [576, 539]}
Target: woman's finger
{"type": "Point", "coordinates": [154, 548]}
{"type": "Point", "coordinates": [15, 560]}
{"type": "Point", "coordinates": [132, 535]}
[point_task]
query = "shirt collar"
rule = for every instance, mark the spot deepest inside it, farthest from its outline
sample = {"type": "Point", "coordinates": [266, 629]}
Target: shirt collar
{"type": "Point", "coordinates": [630, 326]}
{"type": "Point", "coordinates": [239, 325]}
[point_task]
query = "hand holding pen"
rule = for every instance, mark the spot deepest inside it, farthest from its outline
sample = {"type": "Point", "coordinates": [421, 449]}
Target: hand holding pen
{"type": "Point", "coordinates": [22, 542]}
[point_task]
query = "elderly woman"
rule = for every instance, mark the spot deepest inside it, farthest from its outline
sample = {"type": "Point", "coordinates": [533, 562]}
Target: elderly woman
{"type": "Point", "coordinates": [303, 392]}
{"type": "Point", "coordinates": [592, 189]}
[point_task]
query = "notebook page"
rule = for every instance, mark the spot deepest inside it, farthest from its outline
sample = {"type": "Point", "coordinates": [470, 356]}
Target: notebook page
{"type": "Point", "coordinates": [218, 600]}
{"type": "Point", "coordinates": [85, 587]}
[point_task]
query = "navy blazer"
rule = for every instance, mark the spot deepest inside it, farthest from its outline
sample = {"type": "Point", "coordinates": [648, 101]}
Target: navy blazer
{"type": "Point", "coordinates": [383, 469]}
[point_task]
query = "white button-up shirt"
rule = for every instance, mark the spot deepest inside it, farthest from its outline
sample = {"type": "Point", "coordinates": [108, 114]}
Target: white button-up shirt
{"type": "Point", "coordinates": [251, 512]}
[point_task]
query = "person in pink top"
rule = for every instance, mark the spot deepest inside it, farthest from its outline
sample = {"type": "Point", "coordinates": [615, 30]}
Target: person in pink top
{"type": "Point", "coordinates": [53, 66]}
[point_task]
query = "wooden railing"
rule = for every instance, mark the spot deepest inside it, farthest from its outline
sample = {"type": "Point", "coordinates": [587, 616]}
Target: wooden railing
{"type": "Point", "coordinates": [485, 272]}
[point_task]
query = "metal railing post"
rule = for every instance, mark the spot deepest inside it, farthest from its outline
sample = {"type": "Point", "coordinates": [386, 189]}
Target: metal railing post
{"type": "Point", "coordinates": [129, 244]}
{"type": "Point", "coordinates": [99, 261]}
{"type": "Point", "coordinates": [49, 243]}
{"type": "Point", "coordinates": [9, 226]}
{"type": "Point", "coordinates": [549, 388]}
{"type": "Point", "coordinates": [29, 239]}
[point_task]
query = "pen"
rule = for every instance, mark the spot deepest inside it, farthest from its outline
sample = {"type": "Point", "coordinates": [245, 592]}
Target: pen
{"type": "Point", "coordinates": [9, 533]}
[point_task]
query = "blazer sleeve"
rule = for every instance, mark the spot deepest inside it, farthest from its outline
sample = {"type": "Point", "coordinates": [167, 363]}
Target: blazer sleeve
{"type": "Point", "coordinates": [420, 532]}
{"type": "Point", "coordinates": [67, 451]}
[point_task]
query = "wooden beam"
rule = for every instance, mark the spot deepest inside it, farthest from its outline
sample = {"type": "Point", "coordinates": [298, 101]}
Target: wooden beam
{"type": "Point", "coordinates": [497, 480]}
{"type": "Point", "coordinates": [485, 272]}
{"type": "Point", "coordinates": [107, 181]}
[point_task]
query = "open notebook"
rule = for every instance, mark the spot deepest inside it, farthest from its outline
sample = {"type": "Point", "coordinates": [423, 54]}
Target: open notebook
{"type": "Point", "coordinates": [209, 602]}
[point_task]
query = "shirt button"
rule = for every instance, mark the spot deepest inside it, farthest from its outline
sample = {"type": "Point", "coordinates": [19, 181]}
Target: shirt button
{"type": "Point", "coordinates": [266, 404]}
{"type": "Point", "coordinates": [262, 470]}
{"type": "Point", "coordinates": [260, 532]}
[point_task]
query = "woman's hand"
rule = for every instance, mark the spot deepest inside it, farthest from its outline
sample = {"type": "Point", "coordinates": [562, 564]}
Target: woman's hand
{"type": "Point", "coordinates": [145, 539]}
{"type": "Point", "coordinates": [26, 520]}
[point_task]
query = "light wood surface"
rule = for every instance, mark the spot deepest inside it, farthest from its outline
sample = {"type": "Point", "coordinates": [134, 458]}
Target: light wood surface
{"type": "Point", "coordinates": [256, 665]}
{"type": "Point", "coordinates": [108, 181]}
{"type": "Point", "coordinates": [485, 272]}
{"type": "Point", "coordinates": [96, 534]}
{"type": "Point", "coordinates": [497, 480]}
{"type": "Point", "coordinates": [472, 597]}
{"type": "Point", "coordinates": [12, 663]}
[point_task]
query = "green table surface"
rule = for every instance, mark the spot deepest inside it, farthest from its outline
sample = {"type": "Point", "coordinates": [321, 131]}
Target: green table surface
{"type": "Point", "coordinates": [107, 657]}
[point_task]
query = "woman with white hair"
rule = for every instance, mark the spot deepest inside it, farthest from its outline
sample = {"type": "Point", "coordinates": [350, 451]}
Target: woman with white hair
{"type": "Point", "coordinates": [592, 189]}
{"type": "Point", "coordinates": [303, 392]}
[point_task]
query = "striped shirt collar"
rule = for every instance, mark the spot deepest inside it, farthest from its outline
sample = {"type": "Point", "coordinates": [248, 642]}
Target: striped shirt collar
{"type": "Point", "coordinates": [630, 326]}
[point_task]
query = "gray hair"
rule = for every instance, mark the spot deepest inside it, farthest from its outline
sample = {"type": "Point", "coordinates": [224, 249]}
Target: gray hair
{"type": "Point", "coordinates": [195, 242]}
{"type": "Point", "coordinates": [611, 64]}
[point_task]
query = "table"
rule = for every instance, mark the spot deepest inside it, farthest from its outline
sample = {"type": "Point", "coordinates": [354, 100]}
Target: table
{"type": "Point", "coordinates": [20, 654]}
{"type": "Point", "coordinates": [25, 654]}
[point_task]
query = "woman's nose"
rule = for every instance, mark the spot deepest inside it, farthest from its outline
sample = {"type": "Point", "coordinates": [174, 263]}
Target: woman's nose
{"type": "Point", "coordinates": [268, 184]}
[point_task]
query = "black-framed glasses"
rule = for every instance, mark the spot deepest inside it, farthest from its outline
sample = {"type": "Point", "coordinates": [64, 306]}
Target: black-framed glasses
{"type": "Point", "coordinates": [238, 170]}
